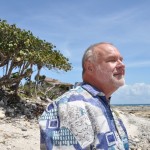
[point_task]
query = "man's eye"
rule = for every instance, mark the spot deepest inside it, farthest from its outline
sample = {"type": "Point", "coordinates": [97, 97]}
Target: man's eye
{"type": "Point", "coordinates": [112, 60]}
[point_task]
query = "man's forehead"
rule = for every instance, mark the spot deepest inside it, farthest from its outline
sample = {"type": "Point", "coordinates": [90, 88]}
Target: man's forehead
{"type": "Point", "coordinates": [105, 49]}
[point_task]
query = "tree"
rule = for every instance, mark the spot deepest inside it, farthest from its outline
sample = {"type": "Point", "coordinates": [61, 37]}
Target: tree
{"type": "Point", "coordinates": [20, 51]}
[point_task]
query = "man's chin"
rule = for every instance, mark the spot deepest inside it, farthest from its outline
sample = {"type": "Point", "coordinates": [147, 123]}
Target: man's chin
{"type": "Point", "coordinates": [119, 82]}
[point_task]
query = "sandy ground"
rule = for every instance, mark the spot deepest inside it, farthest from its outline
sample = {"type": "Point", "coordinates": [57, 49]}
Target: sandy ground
{"type": "Point", "coordinates": [21, 134]}
{"type": "Point", "coordinates": [132, 129]}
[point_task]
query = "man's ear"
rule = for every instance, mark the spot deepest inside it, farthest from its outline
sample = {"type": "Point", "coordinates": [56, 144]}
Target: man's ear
{"type": "Point", "coordinates": [89, 67]}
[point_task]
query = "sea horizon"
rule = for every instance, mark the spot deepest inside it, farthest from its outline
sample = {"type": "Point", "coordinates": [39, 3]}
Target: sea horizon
{"type": "Point", "coordinates": [130, 104]}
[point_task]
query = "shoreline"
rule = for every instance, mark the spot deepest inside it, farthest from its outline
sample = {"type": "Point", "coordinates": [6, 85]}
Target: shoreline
{"type": "Point", "coordinates": [137, 110]}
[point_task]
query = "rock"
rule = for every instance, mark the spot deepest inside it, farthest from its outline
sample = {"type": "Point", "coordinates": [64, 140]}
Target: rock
{"type": "Point", "coordinates": [136, 140]}
{"type": "Point", "coordinates": [2, 114]}
{"type": "Point", "coordinates": [25, 136]}
{"type": "Point", "coordinates": [10, 112]}
{"type": "Point", "coordinates": [9, 147]}
{"type": "Point", "coordinates": [2, 104]}
{"type": "Point", "coordinates": [2, 141]}
{"type": "Point", "coordinates": [23, 129]}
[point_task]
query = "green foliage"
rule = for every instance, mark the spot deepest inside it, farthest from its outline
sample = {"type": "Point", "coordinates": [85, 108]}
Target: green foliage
{"type": "Point", "coordinates": [21, 50]}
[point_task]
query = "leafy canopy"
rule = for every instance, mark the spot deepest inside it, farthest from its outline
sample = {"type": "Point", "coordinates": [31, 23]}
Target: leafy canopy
{"type": "Point", "coordinates": [21, 50]}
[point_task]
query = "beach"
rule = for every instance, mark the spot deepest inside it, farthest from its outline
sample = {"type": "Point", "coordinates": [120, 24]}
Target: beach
{"type": "Point", "coordinates": [137, 122]}
{"type": "Point", "coordinates": [23, 134]}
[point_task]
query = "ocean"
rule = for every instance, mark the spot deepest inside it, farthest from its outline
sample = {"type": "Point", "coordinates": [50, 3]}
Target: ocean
{"type": "Point", "coordinates": [130, 104]}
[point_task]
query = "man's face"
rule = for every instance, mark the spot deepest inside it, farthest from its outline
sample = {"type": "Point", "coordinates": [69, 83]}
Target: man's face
{"type": "Point", "coordinates": [109, 67]}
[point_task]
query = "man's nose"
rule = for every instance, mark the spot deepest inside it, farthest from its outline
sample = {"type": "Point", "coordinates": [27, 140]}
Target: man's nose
{"type": "Point", "coordinates": [120, 64]}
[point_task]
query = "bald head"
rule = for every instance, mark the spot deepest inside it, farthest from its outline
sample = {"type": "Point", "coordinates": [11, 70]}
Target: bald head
{"type": "Point", "coordinates": [91, 54]}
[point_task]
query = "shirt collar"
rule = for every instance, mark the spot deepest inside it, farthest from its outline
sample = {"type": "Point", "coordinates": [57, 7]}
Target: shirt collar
{"type": "Point", "coordinates": [92, 90]}
{"type": "Point", "coordinates": [95, 92]}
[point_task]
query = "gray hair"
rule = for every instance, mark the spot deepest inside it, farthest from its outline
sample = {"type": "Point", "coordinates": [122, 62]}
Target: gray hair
{"type": "Point", "coordinates": [88, 55]}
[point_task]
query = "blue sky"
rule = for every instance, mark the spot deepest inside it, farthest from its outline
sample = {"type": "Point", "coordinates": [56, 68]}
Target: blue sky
{"type": "Point", "coordinates": [74, 25]}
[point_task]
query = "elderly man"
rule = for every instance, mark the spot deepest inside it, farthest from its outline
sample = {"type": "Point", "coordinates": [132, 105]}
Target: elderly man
{"type": "Point", "coordinates": [81, 119]}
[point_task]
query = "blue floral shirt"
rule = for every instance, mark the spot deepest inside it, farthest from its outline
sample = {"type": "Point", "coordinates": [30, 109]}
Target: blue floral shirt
{"type": "Point", "coordinates": [81, 119]}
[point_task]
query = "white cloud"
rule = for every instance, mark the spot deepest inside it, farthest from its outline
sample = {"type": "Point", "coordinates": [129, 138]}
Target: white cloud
{"type": "Point", "coordinates": [138, 93]}
{"type": "Point", "coordinates": [138, 64]}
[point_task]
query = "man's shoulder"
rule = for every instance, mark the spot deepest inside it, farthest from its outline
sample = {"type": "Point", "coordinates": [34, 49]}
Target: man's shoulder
{"type": "Point", "coordinates": [74, 96]}
{"type": "Point", "coordinates": [71, 95]}
{"type": "Point", "coordinates": [77, 93]}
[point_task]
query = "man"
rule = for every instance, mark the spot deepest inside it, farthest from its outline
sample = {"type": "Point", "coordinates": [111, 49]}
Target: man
{"type": "Point", "coordinates": [82, 119]}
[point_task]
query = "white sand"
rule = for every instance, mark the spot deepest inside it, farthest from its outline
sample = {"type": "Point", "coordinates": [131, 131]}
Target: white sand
{"type": "Point", "coordinates": [20, 134]}
{"type": "Point", "coordinates": [132, 129]}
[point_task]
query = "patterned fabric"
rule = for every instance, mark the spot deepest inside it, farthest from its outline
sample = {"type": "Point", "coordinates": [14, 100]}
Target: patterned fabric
{"type": "Point", "coordinates": [81, 119]}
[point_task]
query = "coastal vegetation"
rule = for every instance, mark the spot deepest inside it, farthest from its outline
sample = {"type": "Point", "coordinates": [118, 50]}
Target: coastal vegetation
{"type": "Point", "coordinates": [21, 54]}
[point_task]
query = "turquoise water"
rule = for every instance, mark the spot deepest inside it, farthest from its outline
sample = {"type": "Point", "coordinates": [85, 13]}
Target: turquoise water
{"type": "Point", "coordinates": [130, 104]}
